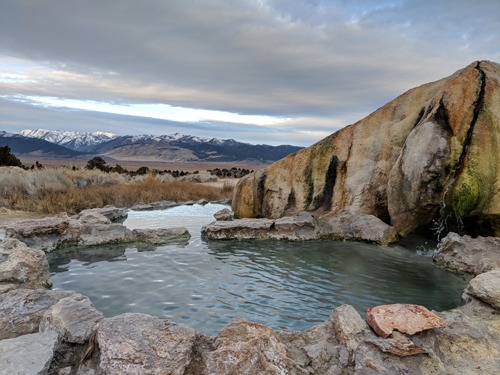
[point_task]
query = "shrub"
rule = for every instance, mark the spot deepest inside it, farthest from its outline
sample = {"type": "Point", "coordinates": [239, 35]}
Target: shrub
{"type": "Point", "coordinates": [8, 159]}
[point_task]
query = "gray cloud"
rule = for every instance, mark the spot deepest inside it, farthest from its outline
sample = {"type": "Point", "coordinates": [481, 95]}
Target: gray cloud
{"type": "Point", "coordinates": [318, 61]}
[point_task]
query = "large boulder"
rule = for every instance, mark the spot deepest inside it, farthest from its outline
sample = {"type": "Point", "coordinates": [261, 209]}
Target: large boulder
{"type": "Point", "coordinates": [22, 265]}
{"type": "Point", "coordinates": [430, 154]}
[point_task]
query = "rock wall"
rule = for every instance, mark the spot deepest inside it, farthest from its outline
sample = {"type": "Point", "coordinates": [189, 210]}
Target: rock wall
{"type": "Point", "coordinates": [431, 153]}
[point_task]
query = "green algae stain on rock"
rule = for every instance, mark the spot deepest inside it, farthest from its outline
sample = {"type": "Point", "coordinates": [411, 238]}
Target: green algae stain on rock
{"type": "Point", "coordinates": [465, 194]}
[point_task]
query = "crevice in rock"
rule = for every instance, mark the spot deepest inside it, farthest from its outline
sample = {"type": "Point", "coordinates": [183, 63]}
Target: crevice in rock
{"type": "Point", "coordinates": [259, 198]}
{"type": "Point", "coordinates": [441, 116]}
{"type": "Point", "coordinates": [419, 117]}
{"type": "Point", "coordinates": [478, 104]}
{"type": "Point", "coordinates": [325, 199]}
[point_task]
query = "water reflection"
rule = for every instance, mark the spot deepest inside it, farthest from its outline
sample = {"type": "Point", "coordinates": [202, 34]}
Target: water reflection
{"type": "Point", "coordinates": [283, 284]}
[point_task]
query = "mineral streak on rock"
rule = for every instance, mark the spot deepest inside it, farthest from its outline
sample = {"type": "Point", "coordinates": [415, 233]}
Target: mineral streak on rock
{"type": "Point", "coordinates": [405, 318]}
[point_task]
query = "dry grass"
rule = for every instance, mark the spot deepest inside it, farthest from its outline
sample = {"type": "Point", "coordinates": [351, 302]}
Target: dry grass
{"type": "Point", "coordinates": [25, 193]}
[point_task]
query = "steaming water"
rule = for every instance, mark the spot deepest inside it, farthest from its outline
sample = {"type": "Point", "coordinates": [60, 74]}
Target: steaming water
{"type": "Point", "coordinates": [205, 284]}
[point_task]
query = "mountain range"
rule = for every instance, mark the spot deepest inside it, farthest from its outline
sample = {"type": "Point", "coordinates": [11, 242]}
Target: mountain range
{"type": "Point", "coordinates": [174, 147]}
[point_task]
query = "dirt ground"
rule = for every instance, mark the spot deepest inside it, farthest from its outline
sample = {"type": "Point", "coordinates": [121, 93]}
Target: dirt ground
{"type": "Point", "coordinates": [9, 216]}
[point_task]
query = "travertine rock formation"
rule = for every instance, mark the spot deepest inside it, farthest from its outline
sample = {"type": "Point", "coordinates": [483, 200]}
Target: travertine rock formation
{"type": "Point", "coordinates": [431, 153]}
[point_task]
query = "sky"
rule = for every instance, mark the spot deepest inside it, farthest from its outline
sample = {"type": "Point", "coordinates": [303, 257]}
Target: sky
{"type": "Point", "coordinates": [257, 71]}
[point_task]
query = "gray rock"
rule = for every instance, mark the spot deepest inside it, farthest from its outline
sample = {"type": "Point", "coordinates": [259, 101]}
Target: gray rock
{"type": "Point", "coordinates": [154, 206]}
{"type": "Point", "coordinates": [141, 344]}
{"type": "Point", "coordinates": [466, 254]}
{"type": "Point", "coordinates": [243, 347]}
{"type": "Point", "coordinates": [347, 324]}
{"type": "Point", "coordinates": [28, 355]}
{"type": "Point", "coordinates": [42, 234]}
{"type": "Point", "coordinates": [238, 229]}
{"type": "Point", "coordinates": [73, 317]}
{"type": "Point", "coordinates": [224, 215]}
{"type": "Point", "coordinates": [357, 227]}
{"type": "Point", "coordinates": [93, 218]}
{"type": "Point", "coordinates": [299, 227]}
{"type": "Point", "coordinates": [303, 226]}
{"type": "Point", "coordinates": [111, 212]}
{"type": "Point", "coordinates": [24, 266]}
{"type": "Point", "coordinates": [99, 234]}
{"type": "Point", "coordinates": [159, 236]}
{"type": "Point", "coordinates": [486, 287]}
{"type": "Point", "coordinates": [22, 309]}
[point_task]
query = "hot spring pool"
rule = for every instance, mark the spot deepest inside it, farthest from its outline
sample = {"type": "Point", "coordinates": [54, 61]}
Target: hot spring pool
{"type": "Point", "coordinates": [205, 284]}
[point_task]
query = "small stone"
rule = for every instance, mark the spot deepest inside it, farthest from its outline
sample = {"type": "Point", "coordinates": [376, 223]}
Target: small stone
{"type": "Point", "coordinates": [224, 215]}
{"type": "Point", "coordinates": [398, 344]}
{"type": "Point", "coordinates": [486, 287]}
{"type": "Point", "coordinates": [404, 318]}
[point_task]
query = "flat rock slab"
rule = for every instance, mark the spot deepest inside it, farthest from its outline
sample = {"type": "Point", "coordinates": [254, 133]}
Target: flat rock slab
{"type": "Point", "coordinates": [160, 235]}
{"type": "Point", "coordinates": [486, 287]}
{"type": "Point", "coordinates": [467, 254]}
{"type": "Point", "coordinates": [238, 229]}
{"type": "Point", "coordinates": [404, 318]}
{"type": "Point", "coordinates": [29, 354]}
{"type": "Point", "coordinates": [142, 344]}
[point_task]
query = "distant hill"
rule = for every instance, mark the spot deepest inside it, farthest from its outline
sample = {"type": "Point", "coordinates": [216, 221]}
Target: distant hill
{"type": "Point", "coordinates": [174, 147]}
{"type": "Point", "coordinates": [37, 148]}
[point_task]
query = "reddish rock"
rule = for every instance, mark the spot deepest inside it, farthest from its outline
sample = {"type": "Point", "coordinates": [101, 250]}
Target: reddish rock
{"type": "Point", "coordinates": [404, 318]}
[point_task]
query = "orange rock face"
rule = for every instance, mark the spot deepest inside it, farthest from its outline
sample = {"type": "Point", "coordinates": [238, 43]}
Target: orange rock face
{"type": "Point", "coordinates": [405, 318]}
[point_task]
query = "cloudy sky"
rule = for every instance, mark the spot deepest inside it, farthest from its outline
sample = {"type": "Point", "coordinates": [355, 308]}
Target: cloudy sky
{"type": "Point", "coordinates": [258, 71]}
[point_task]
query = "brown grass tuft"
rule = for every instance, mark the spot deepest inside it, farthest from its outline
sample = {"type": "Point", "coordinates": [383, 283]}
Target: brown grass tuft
{"type": "Point", "coordinates": [55, 199]}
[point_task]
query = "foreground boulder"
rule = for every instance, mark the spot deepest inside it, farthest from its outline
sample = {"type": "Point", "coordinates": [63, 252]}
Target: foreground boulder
{"type": "Point", "coordinates": [29, 354]}
{"type": "Point", "coordinates": [142, 344]}
{"type": "Point", "coordinates": [249, 348]}
{"type": "Point", "coordinates": [437, 143]}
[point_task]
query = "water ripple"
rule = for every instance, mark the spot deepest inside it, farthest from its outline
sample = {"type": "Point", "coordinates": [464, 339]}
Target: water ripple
{"type": "Point", "coordinates": [279, 283]}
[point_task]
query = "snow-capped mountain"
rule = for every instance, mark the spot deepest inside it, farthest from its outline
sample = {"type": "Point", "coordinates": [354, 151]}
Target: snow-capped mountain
{"type": "Point", "coordinates": [78, 141]}
{"type": "Point", "coordinates": [170, 147]}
